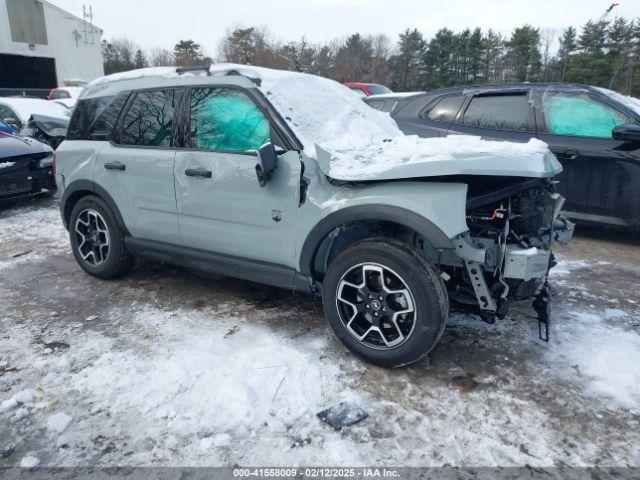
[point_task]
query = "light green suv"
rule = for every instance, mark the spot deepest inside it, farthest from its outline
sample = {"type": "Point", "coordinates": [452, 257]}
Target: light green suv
{"type": "Point", "coordinates": [291, 180]}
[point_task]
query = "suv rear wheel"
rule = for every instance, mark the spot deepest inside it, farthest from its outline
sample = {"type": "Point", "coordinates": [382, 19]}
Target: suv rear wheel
{"type": "Point", "coordinates": [385, 302]}
{"type": "Point", "coordinates": [96, 239]}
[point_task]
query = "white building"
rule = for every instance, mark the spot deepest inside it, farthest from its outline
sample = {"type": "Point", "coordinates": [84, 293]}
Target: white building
{"type": "Point", "coordinates": [42, 46]}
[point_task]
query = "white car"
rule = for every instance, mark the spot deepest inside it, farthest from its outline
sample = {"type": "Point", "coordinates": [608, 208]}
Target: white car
{"type": "Point", "coordinates": [16, 111]}
{"type": "Point", "coordinates": [66, 96]}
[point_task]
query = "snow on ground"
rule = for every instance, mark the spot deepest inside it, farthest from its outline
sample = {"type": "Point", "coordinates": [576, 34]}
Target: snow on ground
{"type": "Point", "coordinates": [30, 233]}
{"type": "Point", "coordinates": [606, 358]}
{"type": "Point", "coordinates": [123, 373]}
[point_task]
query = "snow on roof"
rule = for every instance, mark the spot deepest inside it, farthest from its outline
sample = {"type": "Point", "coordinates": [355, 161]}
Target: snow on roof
{"type": "Point", "coordinates": [632, 103]}
{"type": "Point", "coordinates": [363, 141]}
{"type": "Point", "coordinates": [25, 107]}
{"type": "Point", "coordinates": [317, 109]}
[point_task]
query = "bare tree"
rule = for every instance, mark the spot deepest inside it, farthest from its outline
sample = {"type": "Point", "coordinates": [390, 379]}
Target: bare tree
{"type": "Point", "coordinates": [161, 57]}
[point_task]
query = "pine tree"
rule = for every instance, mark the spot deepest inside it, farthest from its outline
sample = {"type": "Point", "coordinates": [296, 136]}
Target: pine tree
{"type": "Point", "coordinates": [619, 48]}
{"type": "Point", "coordinates": [438, 60]}
{"type": "Point", "coordinates": [591, 66]}
{"type": "Point", "coordinates": [568, 46]}
{"type": "Point", "coordinates": [140, 59]}
{"type": "Point", "coordinates": [187, 53]}
{"type": "Point", "coordinates": [523, 54]}
{"type": "Point", "coordinates": [406, 65]}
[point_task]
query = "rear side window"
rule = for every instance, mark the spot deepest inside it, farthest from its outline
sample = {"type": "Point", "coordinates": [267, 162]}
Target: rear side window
{"type": "Point", "coordinates": [58, 94]}
{"type": "Point", "coordinates": [500, 112]}
{"type": "Point", "coordinates": [377, 104]}
{"type": "Point", "coordinates": [226, 119]}
{"type": "Point", "coordinates": [95, 118]}
{"type": "Point", "coordinates": [446, 109]}
{"type": "Point", "coordinates": [579, 115]}
{"type": "Point", "coordinates": [149, 119]}
{"type": "Point", "coordinates": [378, 89]}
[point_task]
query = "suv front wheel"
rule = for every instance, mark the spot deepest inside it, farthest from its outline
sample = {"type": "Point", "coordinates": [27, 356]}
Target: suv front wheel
{"type": "Point", "coordinates": [97, 240]}
{"type": "Point", "coordinates": [385, 302]}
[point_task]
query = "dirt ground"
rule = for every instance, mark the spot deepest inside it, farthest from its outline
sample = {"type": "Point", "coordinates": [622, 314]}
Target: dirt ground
{"type": "Point", "coordinates": [168, 367]}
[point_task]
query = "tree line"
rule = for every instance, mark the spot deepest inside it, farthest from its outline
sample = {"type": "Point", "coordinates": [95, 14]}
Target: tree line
{"type": "Point", "coordinates": [602, 53]}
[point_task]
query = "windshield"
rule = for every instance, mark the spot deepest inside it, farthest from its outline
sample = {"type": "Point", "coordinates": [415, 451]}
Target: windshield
{"type": "Point", "coordinates": [379, 89]}
{"type": "Point", "coordinates": [321, 111]}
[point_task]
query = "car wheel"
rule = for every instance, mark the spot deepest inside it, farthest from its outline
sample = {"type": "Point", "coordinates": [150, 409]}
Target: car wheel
{"type": "Point", "coordinates": [385, 302]}
{"type": "Point", "coordinates": [97, 240]}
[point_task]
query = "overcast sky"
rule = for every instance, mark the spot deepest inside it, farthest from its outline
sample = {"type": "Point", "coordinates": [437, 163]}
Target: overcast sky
{"type": "Point", "coordinates": [164, 22]}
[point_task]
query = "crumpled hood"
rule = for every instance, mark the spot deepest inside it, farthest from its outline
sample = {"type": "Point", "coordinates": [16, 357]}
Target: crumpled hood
{"type": "Point", "coordinates": [409, 156]}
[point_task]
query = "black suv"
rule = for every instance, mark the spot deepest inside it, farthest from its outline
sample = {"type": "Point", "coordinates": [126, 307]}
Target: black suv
{"type": "Point", "coordinates": [594, 132]}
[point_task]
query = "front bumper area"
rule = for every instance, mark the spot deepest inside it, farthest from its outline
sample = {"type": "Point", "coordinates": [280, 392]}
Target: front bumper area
{"type": "Point", "coordinates": [25, 183]}
{"type": "Point", "coordinates": [526, 264]}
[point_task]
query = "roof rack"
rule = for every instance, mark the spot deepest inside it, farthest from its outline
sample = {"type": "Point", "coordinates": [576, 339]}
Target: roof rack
{"type": "Point", "coordinates": [195, 68]}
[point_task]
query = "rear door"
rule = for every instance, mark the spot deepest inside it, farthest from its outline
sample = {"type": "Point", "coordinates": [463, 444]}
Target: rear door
{"type": "Point", "coordinates": [136, 168]}
{"type": "Point", "coordinates": [601, 176]}
{"type": "Point", "coordinates": [221, 206]}
{"type": "Point", "coordinates": [507, 115]}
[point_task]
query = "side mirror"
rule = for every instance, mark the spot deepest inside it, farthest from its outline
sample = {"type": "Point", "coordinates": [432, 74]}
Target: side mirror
{"type": "Point", "coordinates": [267, 163]}
{"type": "Point", "coordinates": [627, 133]}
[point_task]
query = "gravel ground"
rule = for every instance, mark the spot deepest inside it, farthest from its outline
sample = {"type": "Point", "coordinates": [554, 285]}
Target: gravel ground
{"type": "Point", "coordinates": [168, 367]}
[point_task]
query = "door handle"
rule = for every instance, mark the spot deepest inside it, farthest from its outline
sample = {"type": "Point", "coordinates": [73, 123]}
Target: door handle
{"type": "Point", "coordinates": [115, 166]}
{"type": "Point", "coordinates": [193, 172]}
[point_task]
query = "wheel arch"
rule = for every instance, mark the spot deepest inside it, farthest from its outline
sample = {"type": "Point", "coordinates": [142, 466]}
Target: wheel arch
{"type": "Point", "coordinates": [361, 221]}
{"type": "Point", "coordinates": [79, 189]}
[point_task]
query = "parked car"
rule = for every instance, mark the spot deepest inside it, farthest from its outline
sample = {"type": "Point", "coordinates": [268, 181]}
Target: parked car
{"type": "Point", "coordinates": [66, 96]}
{"type": "Point", "coordinates": [386, 102]}
{"type": "Point", "coordinates": [45, 121]}
{"type": "Point", "coordinates": [26, 167]}
{"type": "Point", "coordinates": [366, 89]}
{"type": "Point", "coordinates": [4, 128]}
{"type": "Point", "coordinates": [238, 171]}
{"type": "Point", "coordinates": [594, 132]}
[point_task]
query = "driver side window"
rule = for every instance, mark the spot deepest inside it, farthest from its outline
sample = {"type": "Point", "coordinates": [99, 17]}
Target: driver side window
{"type": "Point", "coordinates": [226, 119]}
{"type": "Point", "coordinates": [580, 115]}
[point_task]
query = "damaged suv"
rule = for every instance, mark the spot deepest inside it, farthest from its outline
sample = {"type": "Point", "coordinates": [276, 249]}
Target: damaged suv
{"type": "Point", "coordinates": [237, 170]}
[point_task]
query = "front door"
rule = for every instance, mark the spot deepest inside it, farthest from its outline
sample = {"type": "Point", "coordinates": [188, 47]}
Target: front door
{"type": "Point", "coordinates": [601, 175]}
{"type": "Point", "coordinates": [222, 209]}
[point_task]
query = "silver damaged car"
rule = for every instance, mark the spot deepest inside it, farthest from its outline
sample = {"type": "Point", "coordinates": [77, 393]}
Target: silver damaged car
{"type": "Point", "coordinates": [291, 180]}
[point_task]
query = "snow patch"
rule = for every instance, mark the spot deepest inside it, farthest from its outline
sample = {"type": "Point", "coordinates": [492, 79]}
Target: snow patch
{"type": "Point", "coordinates": [58, 422]}
{"type": "Point", "coordinates": [612, 313]}
{"type": "Point", "coordinates": [606, 358]}
{"type": "Point", "coordinates": [632, 103]}
{"type": "Point", "coordinates": [29, 462]}
{"type": "Point", "coordinates": [21, 398]}
{"type": "Point", "coordinates": [6, 164]}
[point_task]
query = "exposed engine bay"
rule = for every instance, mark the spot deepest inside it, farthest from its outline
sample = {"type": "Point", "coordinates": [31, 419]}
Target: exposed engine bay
{"type": "Point", "coordinates": [507, 254]}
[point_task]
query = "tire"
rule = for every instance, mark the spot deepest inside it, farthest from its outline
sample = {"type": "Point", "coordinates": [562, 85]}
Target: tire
{"type": "Point", "coordinates": [348, 302]}
{"type": "Point", "coordinates": [109, 261]}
